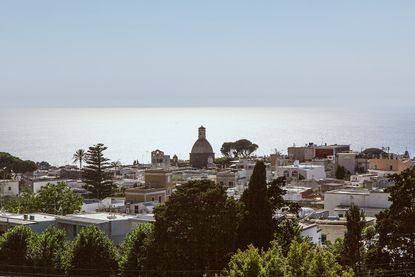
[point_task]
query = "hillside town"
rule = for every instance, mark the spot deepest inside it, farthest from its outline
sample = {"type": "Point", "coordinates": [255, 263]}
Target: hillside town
{"type": "Point", "coordinates": [324, 180]}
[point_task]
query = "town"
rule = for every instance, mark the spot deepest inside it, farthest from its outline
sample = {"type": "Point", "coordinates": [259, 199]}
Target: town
{"type": "Point", "coordinates": [322, 182]}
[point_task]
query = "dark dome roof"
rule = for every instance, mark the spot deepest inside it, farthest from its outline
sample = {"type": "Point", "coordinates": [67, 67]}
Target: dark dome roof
{"type": "Point", "coordinates": [373, 151]}
{"type": "Point", "coordinates": [202, 146]}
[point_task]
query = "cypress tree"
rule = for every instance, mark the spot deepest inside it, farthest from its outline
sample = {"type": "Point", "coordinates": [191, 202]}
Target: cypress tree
{"type": "Point", "coordinates": [96, 179]}
{"type": "Point", "coordinates": [353, 242]}
{"type": "Point", "coordinates": [257, 226]}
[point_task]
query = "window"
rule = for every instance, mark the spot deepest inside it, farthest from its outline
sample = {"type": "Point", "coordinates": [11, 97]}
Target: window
{"type": "Point", "coordinates": [10, 188]}
{"type": "Point", "coordinates": [159, 199]}
{"type": "Point", "coordinates": [152, 199]}
{"type": "Point", "coordinates": [136, 209]}
{"type": "Point", "coordinates": [231, 184]}
{"type": "Point", "coordinates": [340, 215]}
{"type": "Point", "coordinates": [323, 237]}
{"type": "Point", "coordinates": [391, 167]}
{"type": "Point", "coordinates": [221, 183]}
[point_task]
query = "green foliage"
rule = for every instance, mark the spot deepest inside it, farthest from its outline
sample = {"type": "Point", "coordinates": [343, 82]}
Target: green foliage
{"type": "Point", "coordinates": [79, 157]}
{"type": "Point", "coordinates": [340, 173]}
{"type": "Point", "coordinates": [287, 230]}
{"type": "Point", "coordinates": [93, 253]}
{"type": "Point", "coordinates": [242, 148]}
{"type": "Point", "coordinates": [132, 250]}
{"type": "Point", "coordinates": [14, 249]}
{"type": "Point", "coordinates": [396, 244]}
{"type": "Point", "coordinates": [353, 244]}
{"type": "Point", "coordinates": [336, 248]}
{"type": "Point", "coordinates": [58, 199]}
{"type": "Point", "coordinates": [306, 259]}
{"type": "Point", "coordinates": [15, 164]}
{"type": "Point", "coordinates": [97, 180]}
{"type": "Point", "coordinates": [257, 226]}
{"type": "Point", "coordinates": [49, 252]}
{"type": "Point", "coordinates": [303, 259]}
{"type": "Point", "coordinates": [25, 203]}
{"type": "Point", "coordinates": [254, 262]}
{"type": "Point", "coordinates": [276, 192]}
{"type": "Point", "coordinates": [196, 229]}
{"type": "Point", "coordinates": [52, 198]}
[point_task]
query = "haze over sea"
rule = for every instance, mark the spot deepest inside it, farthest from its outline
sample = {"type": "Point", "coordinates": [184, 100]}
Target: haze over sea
{"type": "Point", "coordinates": [53, 135]}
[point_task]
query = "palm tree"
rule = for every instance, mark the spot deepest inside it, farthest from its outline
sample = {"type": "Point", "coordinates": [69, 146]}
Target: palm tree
{"type": "Point", "coordinates": [115, 165]}
{"type": "Point", "coordinates": [79, 156]}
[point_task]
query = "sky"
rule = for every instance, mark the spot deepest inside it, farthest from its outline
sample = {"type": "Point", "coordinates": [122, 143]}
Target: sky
{"type": "Point", "coordinates": [206, 53]}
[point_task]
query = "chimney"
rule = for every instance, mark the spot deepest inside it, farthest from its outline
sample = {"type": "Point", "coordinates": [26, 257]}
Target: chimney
{"type": "Point", "coordinates": [202, 132]}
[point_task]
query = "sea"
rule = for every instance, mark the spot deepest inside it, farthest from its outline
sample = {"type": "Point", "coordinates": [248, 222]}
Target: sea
{"type": "Point", "coordinates": [54, 134]}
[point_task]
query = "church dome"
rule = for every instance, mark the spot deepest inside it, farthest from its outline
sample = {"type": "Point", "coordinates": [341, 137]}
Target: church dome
{"type": "Point", "coordinates": [202, 146]}
{"type": "Point", "coordinates": [202, 155]}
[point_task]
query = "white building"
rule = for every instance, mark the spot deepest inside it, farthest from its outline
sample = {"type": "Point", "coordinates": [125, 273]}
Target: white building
{"type": "Point", "coordinates": [115, 226]}
{"type": "Point", "coordinates": [36, 221]}
{"type": "Point", "coordinates": [307, 171]}
{"type": "Point", "coordinates": [295, 193]}
{"type": "Point", "coordinates": [9, 188]}
{"type": "Point", "coordinates": [311, 231]}
{"type": "Point", "coordinates": [337, 202]}
{"type": "Point", "coordinates": [245, 169]}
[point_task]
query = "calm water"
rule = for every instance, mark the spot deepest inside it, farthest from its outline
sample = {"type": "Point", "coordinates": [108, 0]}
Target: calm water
{"type": "Point", "coordinates": [54, 134]}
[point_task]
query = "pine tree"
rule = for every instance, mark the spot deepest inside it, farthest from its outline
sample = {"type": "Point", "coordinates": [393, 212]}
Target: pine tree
{"type": "Point", "coordinates": [257, 226]}
{"type": "Point", "coordinates": [353, 243]}
{"type": "Point", "coordinates": [97, 180]}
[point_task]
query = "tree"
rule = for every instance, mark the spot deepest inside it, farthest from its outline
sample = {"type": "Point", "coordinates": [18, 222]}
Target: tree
{"type": "Point", "coordinates": [25, 203]}
{"type": "Point", "coordinates": [276, 193]}
{"type": "Point", "coordinates": [58, 199]}
{"type": "Point", "coordinates": [242, 148]}
{"type": "Point", "coordinates": [257, 226]}
{"type": "Point", "coordinates": [352, 249]}
{"type": "Point", "coordinates": [79, 157]}
{"type": "Point", "coordinates": [9, 163]}
{"type": "Point", "coordinates": [287, 230]}
{"type": "Point", "coordinates": [92, 253]}
{"type": "Point", "coordinates": [227, 149]}
{"type": "Point", "coordinates": [43, 165]}
{"type": "Point", "coordinates": [14, 249]}
{"type": "Point", "coordinates": [255, 262]}
{"type": "Point", "coordinates": [195, 230]}
{"type": "Point", "coordinates": [49, 252]}
{"type": "Point", "coordinates": [115, 165]}
{"type": "Point", "coordinates": [396, 243]}
{"type": "Point", "coordinates": [132, 250]}
{"type": "Point", "coordinates": [306, 259]}
{"type": "Point", "coordinates": [303, 259]}
{"type": "Point", "coordinates": [97, 180]}
{"type": "Point", "coordinates": [52, 198]}
{"type": "Point", "coordinates": [340, 172]}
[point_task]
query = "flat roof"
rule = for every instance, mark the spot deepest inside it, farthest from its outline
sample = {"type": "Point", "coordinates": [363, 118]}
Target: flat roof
{"type": "Point", "coordinates": [19, 218]}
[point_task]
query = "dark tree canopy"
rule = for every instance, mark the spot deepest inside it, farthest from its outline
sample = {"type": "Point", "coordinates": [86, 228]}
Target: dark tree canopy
{"type": "Point", "coordinates": [352, 247]}
{"type": "Point", "coordinates": [242, 148]}
{"type": "Point", "coordinates": [93, 253]}
{"type": "Point", "coordinates": [257, 226]}
{"type": "Point", "coordinates": [132, 250]}
{"type": "Point", "coordinates": [396, 228]}
{"type": "Point", "coordinates": [49, 251]}
{"type": "Point", "coordinates": [14, 248]}
{"type": "Point", "coordinates": [340, 173]}
{"type": "Point", "coordinates": [196, 229]}
{"type": "Point", "coordinates": [15, 164]}
{"type": "Point", "coordinates": [97, 180]}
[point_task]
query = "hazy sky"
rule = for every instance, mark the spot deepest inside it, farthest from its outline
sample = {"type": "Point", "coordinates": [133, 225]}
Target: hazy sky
{"type": "Point", "coordinates": [206, 53]}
